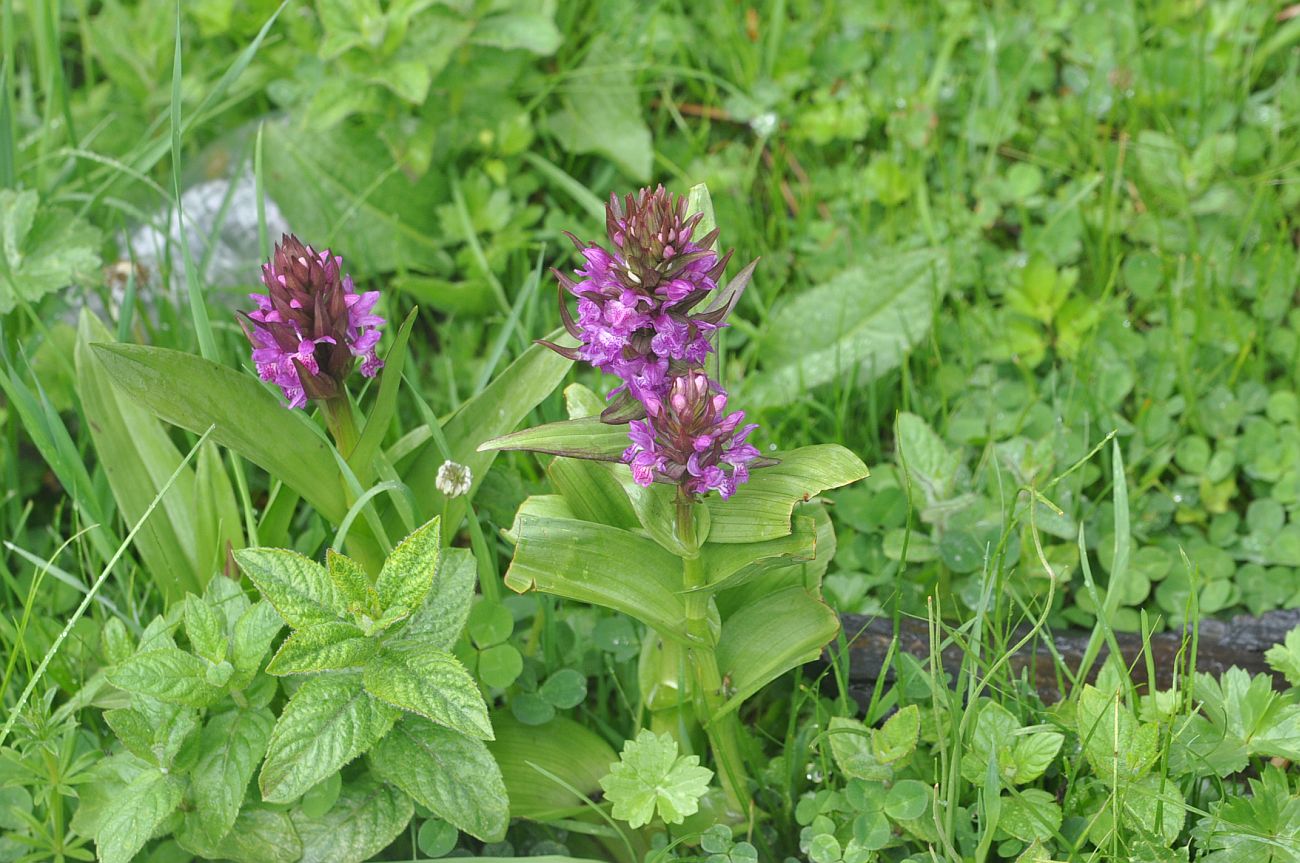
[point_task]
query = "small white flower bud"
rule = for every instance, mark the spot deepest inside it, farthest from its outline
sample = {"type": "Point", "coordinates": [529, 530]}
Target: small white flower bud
{"type": "Point", "coordinates": [453, 479]}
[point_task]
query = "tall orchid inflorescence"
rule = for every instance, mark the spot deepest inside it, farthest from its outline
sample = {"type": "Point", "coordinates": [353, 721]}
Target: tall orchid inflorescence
{"type": "Point", "coordinates": [311, 325]}
{"type": "Point", "coordinates": [640, 318]}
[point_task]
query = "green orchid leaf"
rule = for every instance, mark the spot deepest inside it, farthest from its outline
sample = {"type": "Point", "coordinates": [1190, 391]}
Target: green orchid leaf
{"type": "Point", "coordinates": [562, 748]}
{"type": "Point", "coordinates": [365, 820]}
{"type": "Point", "coordinates": [601, 565]}
{"type": "Point", "coordinates": [651, 777]}
{"type": "Point", "coordinates": [298, 587]}
{"type": "Point", "coordinates": [323, 647]}
{"type": "Point", "coordinates": [730, 565]}
{"type": "Point", "coordinates": [587, 438]}
{"type": "Point", "coordinates": [138, 458]}
{"type": "Point", "coordinates": [194, 393]}
{"type": "Point", "coordinates": [328, 722]}
{"type": "Point", "coordinates": [408, 573]}
{"type": "Point", "coordinates": [592, 491]}
{"type": "Point", "coordinates": [500, 407]}
{"type": "Point", "coordinates": [381, 413]}
{"type": "Point", "coordinates": [762, 508]}
{"type": "Point", "coordinates": [768, 637]}
{"type": "Point", "coordinates": [452, 775]}
{"type": "Point", "coordinates": [413, 674]}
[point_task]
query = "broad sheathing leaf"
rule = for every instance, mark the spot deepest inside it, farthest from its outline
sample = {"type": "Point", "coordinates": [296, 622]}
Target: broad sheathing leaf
{"type": "Point", "coordinates": [763, 507]}
{"type": "Point", "coordinates": [453, 775]}
{"type": "Point", "coordinates": [601, 565]}
{"type": "Point", "coordinates": [194, 393]}
{"type": "Point", "coordinates": [587, 437]}
{"type": "Point", "coordinates": [768, 637]}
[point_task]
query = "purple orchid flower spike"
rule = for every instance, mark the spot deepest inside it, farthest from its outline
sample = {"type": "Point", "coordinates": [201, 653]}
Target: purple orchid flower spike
{"type": "Point", "coordinates": [637, 298]}
{"type": "Point", "coordinates": [691, 440]}
{"type": "Point", "coordinates": [312, 325]}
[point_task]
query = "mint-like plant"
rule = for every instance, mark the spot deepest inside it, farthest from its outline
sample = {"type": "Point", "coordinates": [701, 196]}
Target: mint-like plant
{"type": "Point", "coordinates": [665, 511]}
{"type": "Point", "coordinates": [378, 680]}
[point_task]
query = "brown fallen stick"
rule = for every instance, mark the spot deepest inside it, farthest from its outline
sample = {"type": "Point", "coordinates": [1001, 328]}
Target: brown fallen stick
{"type": "Point", "coordinates": [1220, 644]}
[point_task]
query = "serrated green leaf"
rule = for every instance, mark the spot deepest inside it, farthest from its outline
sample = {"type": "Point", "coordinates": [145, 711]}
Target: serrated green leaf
{"type": "Point", "coordinates": [153, 730]}
{"type": "Point", "coordinates": [168, 674]}
{"type": "Point", "coordinates": [42, 249]}
{"type": "Point", "coordinates": [866, 317]}
{"type": "Point", "coordinates": [1117, 745]}
{"type": "Point", "coordinates": [135, 812]}
{"type": "Point", "coordinates": [442, 615]}
{"type": "Point", "coordinates": [323, 647]}
{"type": "Point", "coordinates": [254, 631]}
{"type": "Point", "coordinates": [762, 509]}
{"type": "Point", "coordinates": [327, 723]}
{"type": "Point", "coordinates": [366, 819]}
{"type": "Point", "coordinates": [352, 584]}
{"type": "Point", "coordinates": [1030, 814]}
{"type": "Point", "coordinates": [1285, 658]}
{"type": "Point", "coordinates": [194, 393]}
{"type": "Point", "coordinates": [454, 776]}
{"type": "Point", "coordinates": [205, 629]}
{"type": "Point", "coordinates": [407, 575]}
{"type": "Point", "coordinates": [298, 587]}
{"type": "Point", "coordinates": [258, 836]}
{"type": "Point", "coordinates": [896, 738]}
{"type": "Point", "coordinates": [1034, 753]}
{"type": "Point", "coordinates": [651, 777]}
{"type": "Point", "coordinates": [414, 674]}
{"type": "Point", "coordinates": [231, 746]}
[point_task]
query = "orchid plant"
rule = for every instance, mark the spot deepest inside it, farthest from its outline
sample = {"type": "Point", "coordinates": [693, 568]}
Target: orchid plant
{"type": "Point", "coordinates": [665, 510]}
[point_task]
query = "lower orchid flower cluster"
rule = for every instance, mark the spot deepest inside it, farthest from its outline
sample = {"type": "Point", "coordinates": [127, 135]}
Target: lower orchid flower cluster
{"type": "Point", "coordinates": [636, 320]}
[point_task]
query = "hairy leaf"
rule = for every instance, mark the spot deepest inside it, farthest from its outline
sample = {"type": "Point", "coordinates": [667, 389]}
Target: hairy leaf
{"type": "Point", "coordinates": [651, 777]}
{"type": "Point", "coordinates": [298, 587]}
{"type": "Point", "coordinates": [366, 819]}
{"type": "Point", "coordinates": [327, 723]}
{"type": "Point", "coordinates": [453, 775]}
{"type": "Point", "coordinates": [414, 674]}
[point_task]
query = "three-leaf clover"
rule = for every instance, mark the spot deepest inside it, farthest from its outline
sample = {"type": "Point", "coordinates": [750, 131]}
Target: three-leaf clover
{"type": "Point", "coordinates": [650, 775]}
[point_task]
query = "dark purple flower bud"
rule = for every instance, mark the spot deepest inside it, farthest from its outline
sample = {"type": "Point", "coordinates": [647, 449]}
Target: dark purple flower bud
{"type": "Point", "coordinates": [636, 297]}
{"type": "Point", "coordinates": [689, 439]}
{"type": "Point", "coordinates": [311, 325]}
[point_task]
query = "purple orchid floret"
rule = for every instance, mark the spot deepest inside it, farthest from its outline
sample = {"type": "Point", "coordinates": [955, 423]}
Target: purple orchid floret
{"type": "Point", "coordinates": [311, 325]}
{"type": "Point", "coordinates": [637, 296]}
{"type": "Point", "coordinates": [690, 439]}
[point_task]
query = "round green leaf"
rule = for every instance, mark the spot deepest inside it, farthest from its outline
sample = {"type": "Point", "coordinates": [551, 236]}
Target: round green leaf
{"type": "Point", "coordinates": [564, 689]}
{"type": "Point", "coordinates": [531, 709]}
{"type": "Point", "coordinates": [500, 665]}
{"type": "Point", "coordinates": [436, 838]}
{"type": "Point", "coordinates": [321, 797]}
{"type": "Point", "coordinates": [871, 830]}
{"type": "Point", "coordinates": [907, 799]}
{"type": "Point", "coordinates": [490, 623]}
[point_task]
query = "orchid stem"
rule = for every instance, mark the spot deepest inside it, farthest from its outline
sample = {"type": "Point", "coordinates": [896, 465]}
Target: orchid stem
{"type": "Point", "coordinates": [723, 732]}
{"type": "Point", "coordinates": [341, 424]}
